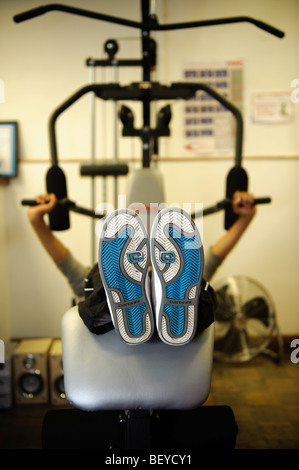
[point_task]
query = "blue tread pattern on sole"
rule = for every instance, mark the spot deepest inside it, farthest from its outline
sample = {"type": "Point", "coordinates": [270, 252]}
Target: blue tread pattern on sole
{"type": "Point", "coordinates": [176, 318]}
{"type": "Point", "coordinates": [111, 253]}
{"type": "Point", "coordinates": [191, 254]}
{"type": "Point", "coordinates": [134, 318]}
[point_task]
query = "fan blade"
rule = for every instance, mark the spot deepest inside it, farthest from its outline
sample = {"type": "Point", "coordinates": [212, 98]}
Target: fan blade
{"type": "Point", "coordinates": [231, 342]}
{"type": "Point", "coordinates": [224, 314]}
{"type": "Point", "coordinates": [225, 310]}
{"type": "Point", "coordinates": [257, 308]}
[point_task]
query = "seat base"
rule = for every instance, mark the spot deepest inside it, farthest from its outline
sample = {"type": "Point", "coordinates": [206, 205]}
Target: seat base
{"type": "Point", "coordinates": [202, 428]}
{"type": "Point", "coordinates": [103, 373]}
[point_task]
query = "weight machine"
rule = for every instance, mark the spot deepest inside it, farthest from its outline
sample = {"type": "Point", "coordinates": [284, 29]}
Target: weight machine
{"type": "Point", "coordinates": [124, 410]}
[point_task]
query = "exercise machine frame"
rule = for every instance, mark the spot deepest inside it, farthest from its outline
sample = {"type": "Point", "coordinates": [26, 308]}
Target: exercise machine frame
{"type": "Point", "coordinates": [138, 429]}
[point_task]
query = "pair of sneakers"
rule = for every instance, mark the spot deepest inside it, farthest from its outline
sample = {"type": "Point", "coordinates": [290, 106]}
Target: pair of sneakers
{"type": "Point", "coordinates": [169, 301]}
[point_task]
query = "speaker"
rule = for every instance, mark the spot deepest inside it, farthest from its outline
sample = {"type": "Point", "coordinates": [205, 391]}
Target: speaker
{"type": "Point", "coordinates": [30, 371]}
{"type": "Point", "coordinates": [6, 382]}
{"type": "Point", "coordinates": [56, 377]}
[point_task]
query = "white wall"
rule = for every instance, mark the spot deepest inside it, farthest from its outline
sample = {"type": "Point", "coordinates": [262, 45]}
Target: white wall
{"type": "Point", "coordinates": [4, 297]}
{"type": "Point", "coordinates": [43, 62]}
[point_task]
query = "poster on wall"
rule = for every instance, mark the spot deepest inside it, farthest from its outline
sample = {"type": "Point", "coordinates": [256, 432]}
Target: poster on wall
{"type": "Point", "coordinates": [208, 127]}
{"type": "Point", "coordinates": [8, 149]}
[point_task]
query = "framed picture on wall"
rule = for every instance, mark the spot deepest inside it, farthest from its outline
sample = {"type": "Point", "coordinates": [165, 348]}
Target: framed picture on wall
{"type": "Point", "coordinates": [8, 149]}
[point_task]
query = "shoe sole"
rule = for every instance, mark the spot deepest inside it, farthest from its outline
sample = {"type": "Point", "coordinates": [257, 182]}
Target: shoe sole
{"type": "Point", "coordinates": [177, 261]}
{"type": "Point", "coordinates": [123, 265]}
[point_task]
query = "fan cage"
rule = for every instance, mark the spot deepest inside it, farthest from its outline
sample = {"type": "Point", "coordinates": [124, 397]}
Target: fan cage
{"type": "Point", "coordinates": [245, 320]}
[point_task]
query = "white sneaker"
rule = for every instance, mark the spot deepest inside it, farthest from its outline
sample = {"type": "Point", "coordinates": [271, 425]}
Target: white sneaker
{"type": "Point", "coordinates": [177, 266]}
{"type": "Point", "coordinates": [123, 260]}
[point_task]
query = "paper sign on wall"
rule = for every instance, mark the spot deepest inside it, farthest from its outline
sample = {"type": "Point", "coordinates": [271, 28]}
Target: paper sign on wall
{"type": "Point", "coordinates": [209, 128]}
{"type": "Point", "coordinates": [272, 108]}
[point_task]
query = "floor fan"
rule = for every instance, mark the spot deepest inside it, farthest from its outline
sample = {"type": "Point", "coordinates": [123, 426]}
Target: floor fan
{"type": "Point", "coordinates": [245, 320]}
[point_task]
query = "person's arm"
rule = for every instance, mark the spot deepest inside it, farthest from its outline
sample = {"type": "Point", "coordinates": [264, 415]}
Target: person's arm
{"type": "Point", "coordinates": [243, 205]}
{"type": "Point", "coordinates": [46, 204]}
{"type": "Point", "coordinates": [70, 267]}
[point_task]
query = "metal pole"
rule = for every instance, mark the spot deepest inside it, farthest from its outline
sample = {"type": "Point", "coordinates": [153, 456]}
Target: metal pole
{"type": "Point", "coordinates": [116, 147]}
{"type": "Point", "coordinates": [93, 145]}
